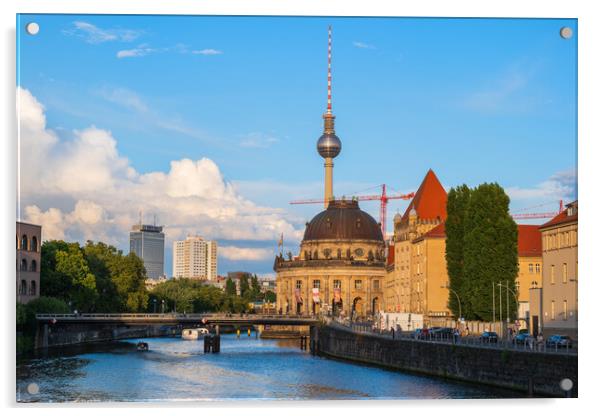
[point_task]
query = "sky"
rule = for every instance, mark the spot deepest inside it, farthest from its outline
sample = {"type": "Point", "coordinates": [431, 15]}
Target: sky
{"type": "Point", "coordinates": [209, 124]}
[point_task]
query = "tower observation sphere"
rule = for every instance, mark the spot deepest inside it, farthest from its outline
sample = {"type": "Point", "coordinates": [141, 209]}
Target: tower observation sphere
{"type": "Point", "coordinates": [329, 145]}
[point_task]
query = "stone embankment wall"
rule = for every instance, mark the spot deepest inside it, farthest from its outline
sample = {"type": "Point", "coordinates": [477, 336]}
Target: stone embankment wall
{"type": "Point", "coordinates": [530, 372]}
{"type": "Point", "coordinates": [49, 336]}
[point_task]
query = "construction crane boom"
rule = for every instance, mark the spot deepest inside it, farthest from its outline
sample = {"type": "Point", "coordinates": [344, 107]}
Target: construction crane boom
{"type": "Point", "coordinates": [383, 198]}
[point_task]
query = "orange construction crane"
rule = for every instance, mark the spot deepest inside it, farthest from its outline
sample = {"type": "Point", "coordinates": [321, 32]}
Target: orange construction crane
{"type": "Point", "coordinates": [538, 215]}
{"type": "Point", "coordinates": [383, 198]}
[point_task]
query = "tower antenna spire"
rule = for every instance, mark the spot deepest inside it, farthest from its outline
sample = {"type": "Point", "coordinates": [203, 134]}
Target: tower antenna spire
{"type": "Point", "coordinates": [329, 145]}
{"type": "Point", "coordinates": [329, 102]}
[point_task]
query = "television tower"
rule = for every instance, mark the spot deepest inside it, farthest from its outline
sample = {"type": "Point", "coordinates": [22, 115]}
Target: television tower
{"type": "Point", "coordinates": [329, 145]}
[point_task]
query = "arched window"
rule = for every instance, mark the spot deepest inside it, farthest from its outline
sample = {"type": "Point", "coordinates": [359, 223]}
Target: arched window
{"type": "Point", "coordinates": [23, 265]}
{"type": "Point", "coordinates": [34, 243]}
{"type": "Point", "coordinates": [34, 266]}
{"type": "Point", "coordinates": [23, 288]}
{"type": "Point", "coordinates": [24, 245]}
{"type": "Point", "coordinates": [32, 288]}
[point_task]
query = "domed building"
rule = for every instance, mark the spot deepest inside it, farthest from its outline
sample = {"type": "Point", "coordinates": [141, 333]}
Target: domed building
{"type": "Point", "coordinates": [340, 267]}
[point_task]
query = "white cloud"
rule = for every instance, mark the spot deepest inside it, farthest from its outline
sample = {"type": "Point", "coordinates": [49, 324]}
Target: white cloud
{"type": "Point", "coordinates": [244, 253]}
{"type": "Point", "coordinates": [208, 51]}
{"type": "Point", "coordinates": [258, 140]}
{"type": "Point", "coordinates": [362, 45]}
{"type": "Point", "coordinates": [142, 50]}
{"type": "Point", "coordinates": [83, 188]}
{"type": "Point", "coordinates": [93, 34]}
{"type": "Point", "coordinates": [124, 97]}
{"type": "Point", "coordinates": [561, 185]}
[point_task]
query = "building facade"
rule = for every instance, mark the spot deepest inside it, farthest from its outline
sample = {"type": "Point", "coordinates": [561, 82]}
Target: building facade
{"type": "Point", "coordinates": [195, 258]}
{"type": "Point", "coordinates": [340, 268]}
{"type": "Point", "coordinates": [29, 241]}
{"type": "Point", "coordinates": [148, 243]}
{"type": "Point", "coordinates": [407, 288]}
{"type": "Point", "coordinates": [529, 266]}
{"type": "Point", "coordinates": [554, 304]}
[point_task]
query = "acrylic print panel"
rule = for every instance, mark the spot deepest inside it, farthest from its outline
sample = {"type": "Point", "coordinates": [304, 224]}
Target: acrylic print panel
{"type": "Point", "coordinates": [219, 207]}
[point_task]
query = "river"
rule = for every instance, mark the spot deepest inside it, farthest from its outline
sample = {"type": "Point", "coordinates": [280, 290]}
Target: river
{"type": "Point", "coordinates": [246, 368]}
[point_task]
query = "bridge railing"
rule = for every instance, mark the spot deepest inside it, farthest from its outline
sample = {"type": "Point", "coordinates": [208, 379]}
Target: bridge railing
{"type": "Point", "coordinates": [208, 316]}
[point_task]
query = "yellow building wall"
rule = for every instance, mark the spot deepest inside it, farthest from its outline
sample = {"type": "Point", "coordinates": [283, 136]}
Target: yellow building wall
{"type": "Point", "coordinates": [529, 270]}
{"type": "Point", "coordinates": [437, 278]}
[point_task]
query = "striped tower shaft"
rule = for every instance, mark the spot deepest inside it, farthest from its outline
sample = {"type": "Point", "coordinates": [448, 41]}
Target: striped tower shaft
{"type": "Point", "coordinates": [329, 103]}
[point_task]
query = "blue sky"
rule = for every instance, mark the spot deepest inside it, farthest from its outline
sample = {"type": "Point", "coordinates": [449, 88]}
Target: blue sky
{"type": "Point", "coordinates": [476, 100]}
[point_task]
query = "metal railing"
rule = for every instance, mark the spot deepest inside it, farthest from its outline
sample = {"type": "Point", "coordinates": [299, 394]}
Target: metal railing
{"type": "Point", "coordinates": [162, 316]}
{"type": "Point", "coordinates": [530, 345]}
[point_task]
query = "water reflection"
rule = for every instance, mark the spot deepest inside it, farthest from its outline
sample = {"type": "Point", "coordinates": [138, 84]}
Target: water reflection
{"type": "Point", "coordinates": [246, 368]}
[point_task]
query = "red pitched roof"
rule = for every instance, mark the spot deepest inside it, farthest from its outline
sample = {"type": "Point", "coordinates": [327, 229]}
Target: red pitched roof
{"type": "Point", "coordinates": [391, 255]}
{"type": "Point", "coordinates": [430, 200]}
{"type": "Point", "coordinates": [562, 217]}
{"type": "Point", "coordinates": [529, 241]}
{"type": "Point", "coordinates": [436, 232]}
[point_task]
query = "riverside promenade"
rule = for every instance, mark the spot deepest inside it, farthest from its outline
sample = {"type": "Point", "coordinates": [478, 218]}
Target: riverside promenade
{"type": "Point", "coordinates": [531, 372]}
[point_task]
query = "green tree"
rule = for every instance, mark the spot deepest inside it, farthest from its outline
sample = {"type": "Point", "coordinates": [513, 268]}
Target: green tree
{"type": "Point", "coordinates": [458, 200]}
{"type": "Point", "coordinates": [230, 287]}
{"type": "Point", "coordinates": [129, 275]}
{"type": "Point", "coordinates": [72, 264]}
{"type": "Point", "coordinates": [490, 250]}
{"type": "Point", "coordinates": [270, 296]}
{"type": "Point", "coordinates": [244, 285]}
{"type": "Point", "coordinates": [255, 289]}
{"type": "Point", "coordinates": [53, 283]}
{"type": "Point", "coordinates": [100, 257]}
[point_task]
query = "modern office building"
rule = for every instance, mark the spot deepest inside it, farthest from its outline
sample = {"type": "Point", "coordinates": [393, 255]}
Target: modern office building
{"type": "Point", "coordinates": [29, 240]}
{"type": "Point", "coordinates": [148, 243]}
{"type": "Point", "coordinates": [195, 258]}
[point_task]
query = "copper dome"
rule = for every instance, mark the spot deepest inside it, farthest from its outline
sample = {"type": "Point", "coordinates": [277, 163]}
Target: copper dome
{"type": "Point", "coordinates": [343, 220]}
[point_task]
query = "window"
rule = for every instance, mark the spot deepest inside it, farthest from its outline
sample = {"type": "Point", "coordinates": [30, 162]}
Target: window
{"type": "Point", "coordinates": [553, 306]}
{"type": "Point", "coordinates": [23, 288]}
{"type": "Point", "coordinates": [34, 266]}
{"type": "Point", "coordinates": [358, 284]}
{"type": "Point", "coordinates": [552, 277]}
{"type": "Point", "coordinates": [298, 284]}
{"type": "Point", "coordinates": [24, 242]}
{"type": "Point", "coordinates": [23, 265]}
{"type": "Point", "coordinates": [316, 284]}
{"type": "Point", "coordinates": [564, 310]}
{"type": "Point", "coordinates": [530, 268]}
{"type": "Point", "coordinates": [564, 273]}
{"type": "Point", "coordinates": [34, 243]}
{"type": "Point", "coordinates": [337, 284]}
{"type": "Point", "coordinates": [537, 268]}
{"type": "Point", "coordinates": [32, 288]}
{"type": "Point", "coordinates": [376, 284]}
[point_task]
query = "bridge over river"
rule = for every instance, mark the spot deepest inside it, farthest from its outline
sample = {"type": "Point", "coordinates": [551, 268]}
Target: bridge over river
{"type": "Point", "coordinates": [177, 318]}
{"type": "Point", "coordinates": [68, 329]}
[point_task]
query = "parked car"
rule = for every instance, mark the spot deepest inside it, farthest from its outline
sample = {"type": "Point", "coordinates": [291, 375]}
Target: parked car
{"type": "Point", "coordinates": [523, 337]}
{"type": "Point", "coordinates": [489, 336]}
{"type": "Point", "coordinates": [563, 341]}
{"type": "Point", "coordinates": [434, 329]}
{"type": "Point", "coordinates": [442, 333]}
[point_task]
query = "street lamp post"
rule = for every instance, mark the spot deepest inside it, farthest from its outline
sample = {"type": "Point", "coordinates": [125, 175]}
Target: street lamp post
{"type": "Point", "coordinates": [154, 305]}
{"type": "Point", "coordinates": [162, 305]}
